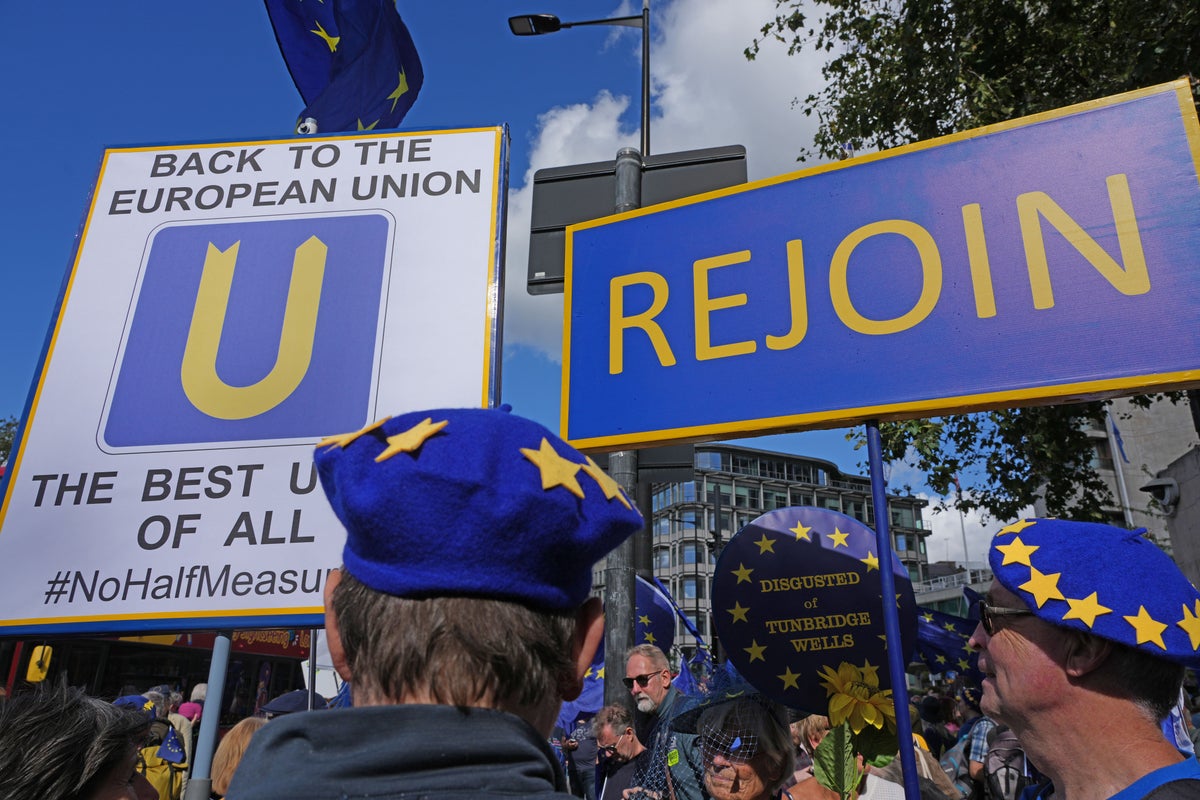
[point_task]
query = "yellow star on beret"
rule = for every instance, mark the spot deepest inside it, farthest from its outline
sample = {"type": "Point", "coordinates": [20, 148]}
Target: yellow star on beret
{"type": "Point", "coordinates": [410, 440]}
{"type": "Point", "coordinates": [1043, 587]}
{"type": "Point", "coordinates": [1017, 552]}
{"type": "Point", "coordinates": [1148, 629]}
{"type": "Point", "coordinates": [1191, 625]}
{"type": "Point", "coordinates": [556, 470]}
{"type": "Point", "coordinates": [343, 440]}
{"type": "Point", "coordinates": [609, 486]}
{"type": "Point", "coordinates": [1086, 610]}
{"type": "Point", "coordinates": [1016, 527]}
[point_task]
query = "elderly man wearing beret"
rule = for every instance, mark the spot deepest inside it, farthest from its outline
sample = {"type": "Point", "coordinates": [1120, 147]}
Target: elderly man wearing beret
{"type": "Point", "coordinates": [1084, 637]}
{"type": "Point", "coordinates": [460, 616]}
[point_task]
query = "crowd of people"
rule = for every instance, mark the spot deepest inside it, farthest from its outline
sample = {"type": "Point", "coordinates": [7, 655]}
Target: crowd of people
{"type": "Point", "coordinates": [462, 617]}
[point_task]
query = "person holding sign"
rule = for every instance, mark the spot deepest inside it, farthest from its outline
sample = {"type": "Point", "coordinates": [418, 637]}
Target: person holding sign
{"type": "Point", "coordinates": [1084, 636]}
{"type": "Point", "coordinates": [461, 613]}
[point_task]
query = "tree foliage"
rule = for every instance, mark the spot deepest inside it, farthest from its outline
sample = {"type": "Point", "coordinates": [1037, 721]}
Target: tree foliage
{"type": "Point", "coordinates": [899, 71]}
{"type": "Point", "coordinates": [8, 432]}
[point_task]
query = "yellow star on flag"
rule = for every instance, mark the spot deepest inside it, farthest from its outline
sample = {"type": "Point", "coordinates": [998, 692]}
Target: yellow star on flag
{"type": "Point", "coordinates": [1016, 527]}
{"type": "Point", "coordinates": [1017, 552]}
{"type": "Point", "coordinates": [950, 627]}
{"type": "Point", "coordinates": [739, 612]}
{"type": "Point", "coordinates": [556, 470]}
{"type": "Point", "coordinates": [756, 651]}
{"type": "Point", "coordinates": [343, 440]}
{"type": "Point", "coordinates": [802, 532]}
{"type": "Point", "coordinates": [789, 678]}
{"type": "Point", "coordinates": [649, 637]}
{"type": "Point", "coordinates": [1148, 629]}
{"type": "Point", "coordinates": [765, 545]}
{"type": "Point", "coordinates": [410, 441]}
{"type": "Point", "coordinates": [370, 127]}
{"type": "Point", "coordinates": [330, 41]}
{"type": "Point", "coordinates": [870, 673]}
{"type": "Point", "coordinates": [588, 674]}
{"type": "Point", "coordinates": [928, 616]}
{"type": "Point", "coordinates": [871, 561]}
{"type": "Point", "coordinates": [645, 620]}
{"type": "Point", "coordinates": [838, 538]}
{"type": "Point", "coordinates": [1043, 586]}
{"type": "Point", "coordinates": [941, 659]}
{"type": "Point", "coordinates": [607, 485]}
{"type": "Point", "coordinates": [1086, 610]}
{"type": "Point", "coordinates": [600, 673]}
{"type": "Point", "coordinates": [400, 90]}
{"type": "Point", "coordinates": [1191, 625]}
{"type": "Point", "coordinates": [963, 664]}
{"type": "Point", "coordinates": [743, 573]}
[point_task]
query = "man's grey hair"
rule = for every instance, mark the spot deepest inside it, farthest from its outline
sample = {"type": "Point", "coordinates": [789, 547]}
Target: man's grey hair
{"type": "Point", "coordinates": [58, 744]}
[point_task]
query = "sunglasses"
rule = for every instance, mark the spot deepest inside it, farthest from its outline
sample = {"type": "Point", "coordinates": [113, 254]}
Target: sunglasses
{"type": "Point", "coordinates": [988, 614]}
{"type": "Point", "coordinates": [610, 749]}
{"type": "Point", "coordinates": [642, 680]}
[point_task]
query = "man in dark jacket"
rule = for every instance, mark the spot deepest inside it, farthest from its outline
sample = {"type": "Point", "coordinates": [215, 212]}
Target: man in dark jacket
{"type": "Point", "coordinates": [461, 615]}
{"type": "Point", "coordinates": [676, 765]}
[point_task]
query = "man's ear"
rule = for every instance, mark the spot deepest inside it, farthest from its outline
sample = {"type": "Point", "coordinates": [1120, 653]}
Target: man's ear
{"type": "Point", "coordinates": [333, 637]}
{"type": "Point", "coordinates": [1085, 653]}
{"type": "Point", "coordinates": [588, 636]}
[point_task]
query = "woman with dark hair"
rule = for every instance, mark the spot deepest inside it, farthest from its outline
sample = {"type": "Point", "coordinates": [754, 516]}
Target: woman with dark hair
{"type": "Point", "coordinates": [747, 749]}
{"type": "Point", "coordinates": [60, 744]}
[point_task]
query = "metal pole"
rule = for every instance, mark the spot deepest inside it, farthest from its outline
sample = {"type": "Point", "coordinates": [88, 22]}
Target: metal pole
{"type": "Point", "coordinates": [199, 786]}
{"type": "Point", "coordinates": [645, 77]}
{"type": "Point", "coordinates": [891, 616]}
{"type": "Point", "coordinates": [312, 668]}
{"type": "Point", "coordinates": [623, 466]}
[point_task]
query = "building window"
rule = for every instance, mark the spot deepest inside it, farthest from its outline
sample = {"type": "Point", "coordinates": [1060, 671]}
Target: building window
{"type": "Point", "coordinates": [662, 558]}
{"type": "Point", "coordinates": [692, 588]}
{"type": "Point", "coordinates": [689, 553]}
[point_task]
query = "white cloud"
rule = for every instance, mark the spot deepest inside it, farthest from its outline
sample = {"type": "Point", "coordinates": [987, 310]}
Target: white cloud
{"type": "Point", "coordinates": [706, 94]}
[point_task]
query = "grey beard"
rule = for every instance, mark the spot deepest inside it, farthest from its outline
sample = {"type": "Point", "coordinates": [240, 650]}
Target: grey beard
{"type": "Point", "coordinates": [646, 704]}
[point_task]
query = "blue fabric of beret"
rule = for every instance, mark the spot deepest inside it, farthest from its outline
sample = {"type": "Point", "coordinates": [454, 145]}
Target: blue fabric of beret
{"type": "Point", "coordinates": [1109, 581]}
{"type": "Point", "coordinates": [136, 702]}
{"type": "Point", "coordinates": [472, 502]}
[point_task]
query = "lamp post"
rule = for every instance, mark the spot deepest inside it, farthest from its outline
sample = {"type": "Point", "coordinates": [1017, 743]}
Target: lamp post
{"type": "Point", "coordinates": [619, 582]}
{"type": "Point", "coordinates": [539, 24]}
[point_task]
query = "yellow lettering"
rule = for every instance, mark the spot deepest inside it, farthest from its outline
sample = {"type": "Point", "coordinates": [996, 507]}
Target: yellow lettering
{"type": "Point", "coordinates": [799, 300]}
{"type": "Point", "coordinates": [618, 323]}
{"type": "Point", "coordinates": [931, 277]}
{"type": "Point", "coordinates": [705, 305]}
{"type": "Point", "coordinates": [198, 372]}
{"type": "Point", "coordinates": [1132, 279]}
{"type": "Point", "coordinates": [977, 256]}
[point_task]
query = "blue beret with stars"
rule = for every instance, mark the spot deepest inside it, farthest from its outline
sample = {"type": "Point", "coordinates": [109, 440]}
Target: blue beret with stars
{"type": "Point", "coordinates": [1104, 580]}
{"type": "Point", "coordinates": [472, 502]}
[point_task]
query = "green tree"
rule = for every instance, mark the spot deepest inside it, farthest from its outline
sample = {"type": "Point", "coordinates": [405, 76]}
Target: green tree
{"type": "Point", "coordinates": [8, 432]}
{"type": "Point", "coordinates": [900, 71]}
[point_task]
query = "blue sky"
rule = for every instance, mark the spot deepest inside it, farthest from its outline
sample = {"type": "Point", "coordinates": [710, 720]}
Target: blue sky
{"type": "Point", "coordinates": [89, 75]}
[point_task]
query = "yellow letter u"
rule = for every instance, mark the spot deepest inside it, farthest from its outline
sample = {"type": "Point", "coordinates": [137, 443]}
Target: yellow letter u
{"type": "Point", "coordinates": [201, 383]}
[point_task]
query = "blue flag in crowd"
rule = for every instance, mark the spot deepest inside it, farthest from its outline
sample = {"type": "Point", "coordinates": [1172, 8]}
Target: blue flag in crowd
{"type": "Point", "coordinates": [353, 61]}
{"type": "Point", "coordinates": [654, 623]}
{"type": "Point", "coordinates": [171, 748]}
{"type": "Point", "coordinates": [942, 643]}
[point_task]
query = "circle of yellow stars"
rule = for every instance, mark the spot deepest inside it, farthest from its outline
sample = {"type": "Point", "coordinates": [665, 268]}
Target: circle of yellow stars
{"type": "Point", "coordinates": [1043, 587]}
{"type": "Point", "coordinates": [766, 544]}
{"type": "Point", "coordinates": [554, 469]}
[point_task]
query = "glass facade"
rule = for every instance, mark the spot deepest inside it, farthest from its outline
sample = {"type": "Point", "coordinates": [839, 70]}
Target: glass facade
{"type": "Point", "coordinates": [740, 484]}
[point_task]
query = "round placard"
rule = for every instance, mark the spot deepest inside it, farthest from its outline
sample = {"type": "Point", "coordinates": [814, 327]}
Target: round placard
{"type": "Point", "coordinates": [798, 589]}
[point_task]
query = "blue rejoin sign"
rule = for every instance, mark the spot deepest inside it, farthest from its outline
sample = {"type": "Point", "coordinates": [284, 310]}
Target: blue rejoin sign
{"type": "Point", "coordinates": [1054, 257]}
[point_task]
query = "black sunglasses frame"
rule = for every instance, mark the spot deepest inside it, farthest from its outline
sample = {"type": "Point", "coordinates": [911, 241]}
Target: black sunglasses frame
{"type": "Point", "coordinates": [988, 614]}
{"type": "Point", "coordinates": [642, 680]}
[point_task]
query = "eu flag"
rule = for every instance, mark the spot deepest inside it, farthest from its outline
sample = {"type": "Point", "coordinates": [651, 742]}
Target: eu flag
{"type": "Point", "coordinates": [353, 61]}
{"type": "Point", "coordinates": [942, 642]}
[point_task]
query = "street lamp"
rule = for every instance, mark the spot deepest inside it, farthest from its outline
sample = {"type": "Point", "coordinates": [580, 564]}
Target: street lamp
{"type": "Point", "coordinates": [538, 24]}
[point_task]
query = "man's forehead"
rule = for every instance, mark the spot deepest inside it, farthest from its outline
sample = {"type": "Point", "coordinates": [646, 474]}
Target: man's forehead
{"type": "Point", "coordinates": [999, 596]}
{"type": "Point", "coordinates": [638, 665]}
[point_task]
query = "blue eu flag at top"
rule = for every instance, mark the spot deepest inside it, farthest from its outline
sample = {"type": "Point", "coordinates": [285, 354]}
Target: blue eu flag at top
{"type": "Point", "coordinates": [353, 61]}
